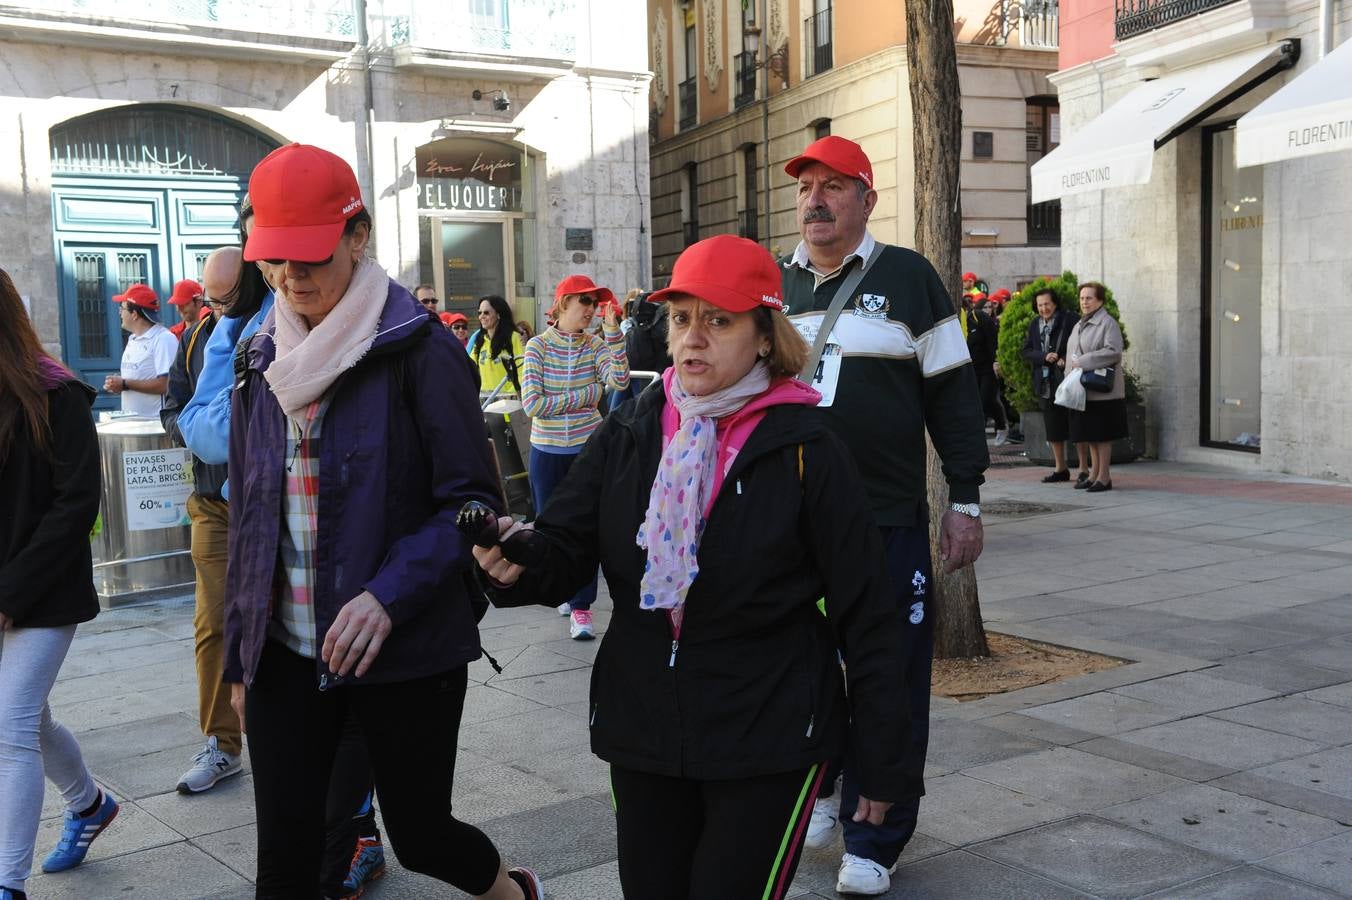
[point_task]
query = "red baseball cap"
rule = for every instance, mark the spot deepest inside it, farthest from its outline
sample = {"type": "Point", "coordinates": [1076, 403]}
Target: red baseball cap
{"type": "Point", "coordinates": [185, 292]}
{"type": "Point", "coordinates": [449, 318]}
{"type": "Point", "coordinates": [835, 152]}
{"type": "Point", "coordinates": [139, 295]}
{"type": "Point", "coordinates": [1001, 295]}
{"type": "Point", "coordinates": [302, 197]}
{"type": "Point", "coordinates": [581, 284]}
{"type": "Point", "coordinates": [977, 297]}
{"type": "Point", "coordinates": [730, 272]}
{"type": "Point", "coordinates": [969, 276]}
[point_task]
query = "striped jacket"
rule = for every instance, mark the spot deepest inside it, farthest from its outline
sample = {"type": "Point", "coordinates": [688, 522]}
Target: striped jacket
{"type": "Point", "coordinates": [562, 381]}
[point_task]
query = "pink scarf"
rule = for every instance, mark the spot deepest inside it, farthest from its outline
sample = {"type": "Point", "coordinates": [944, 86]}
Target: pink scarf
{"type": "Point", "coordinates": [694, 461]}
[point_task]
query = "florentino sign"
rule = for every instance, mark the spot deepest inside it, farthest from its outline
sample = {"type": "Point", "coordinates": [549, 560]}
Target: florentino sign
{"type": "Point", "coordinates": [469, 175]}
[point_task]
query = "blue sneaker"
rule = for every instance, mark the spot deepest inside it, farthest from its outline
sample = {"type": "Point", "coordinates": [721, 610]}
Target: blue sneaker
{"type": "Point", "coordinates": [12, 894]}
{"type": "Point", "coordinates": [77, 833]}
{"type": "Point", "coordinates": [368, 864]}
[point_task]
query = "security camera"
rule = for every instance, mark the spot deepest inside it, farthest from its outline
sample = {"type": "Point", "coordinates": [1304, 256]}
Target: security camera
{"type": "Point", "coordinates": [502, 103]}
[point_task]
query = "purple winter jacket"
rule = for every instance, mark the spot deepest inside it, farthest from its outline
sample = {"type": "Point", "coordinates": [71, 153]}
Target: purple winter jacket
{"type": "Point", "coordinates": [404, 447]}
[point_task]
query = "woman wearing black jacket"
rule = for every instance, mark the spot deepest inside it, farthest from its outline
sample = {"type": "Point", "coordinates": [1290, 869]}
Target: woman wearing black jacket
{"type": "Point", "coordinates": [1045, 349]}
{"type": "Point", "coordinates": [49, 499]}
{"type": "Point", "coordinates": [717, 693]}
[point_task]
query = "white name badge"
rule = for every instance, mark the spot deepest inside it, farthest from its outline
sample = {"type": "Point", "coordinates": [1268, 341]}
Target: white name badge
{"type": "Point", "coordinates": [827, 376]}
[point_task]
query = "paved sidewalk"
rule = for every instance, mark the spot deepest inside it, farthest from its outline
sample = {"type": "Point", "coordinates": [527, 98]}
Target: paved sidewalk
{"type": "Point", "coordinates": [1217, 764]}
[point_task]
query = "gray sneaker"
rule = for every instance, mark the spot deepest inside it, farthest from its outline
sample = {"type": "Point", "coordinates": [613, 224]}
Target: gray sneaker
{"type": "Point", "coordinates": [209, 767]}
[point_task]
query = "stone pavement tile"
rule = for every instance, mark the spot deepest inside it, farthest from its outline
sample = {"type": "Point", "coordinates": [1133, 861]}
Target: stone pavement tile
{"type": "Point", "coordinates": [1115, 623]}
{"type": "Point", "coordinates": [229, 804]}
{"type": "Point", "coordinates": [1333, 581]}
{"type": "Point", "coordinates": [112, 660]}
{"type": "Point", "coordinates": [1238, 636]}
{"type": "Point", "coordinates": [236, 848]}
{"type": "Point", "coordinates": [817, 868]}
{"type": "Point", "coordinates": [1076, 779]}
{"type": "Point", "coordinates": [1108, 569]}
{"type": "Point", "coordinates": [1214, 607]}
{"type": "Point", "coordinates": [151, 773]}
{"type": "Point", "coordinates": [1107, 859]}
{"type": "Point", "coordinates": [537, 661]}
{"type": "Point", "coordinates": [1156, 760]}
{"type": "Point", "coordinates": [1219, 532]}
{"type": "Point", "coordinates": [1302, 621]}
{"type": "Point", "coordinates": [1221, 743]}
{"type": "Point", "coordinates": [1322, 722]}
{"type": "Point", "coordinates": [1276, 673]}
{"type": "Point", "coordinates": [1337, 694]}
{"type": "Point", "coordinates": [566, 646]}
{"type": "Point", "coordinates": [123, 681]}
{"type": "Point", "coordinates": [131, 739]}
{"type": "Point", "coordinates": [1244, 883]}
{"type": "Point", "coordinates": [1029, 584]}
{"type": "Point", "coordinates": [1327, 863]}
{"type": "Point", "coordinates": [98, 642]}
{"type": "Point", "coordinates": [1185, 556]}
{"type": "Point", "coordinates": [562, 837]}
{"type": "Point", "coordinates": [100, 712]}
{"type": "Point", "coordinates": [1283, 793]}
{"type": "Point", "coordinates": [1151, 588]}
{"type": "Point", "coordinates": [516, 737]}
{"type": "Point", "coordinates": [1170, 640]}
{"type": "Point", "coordinates": [596, 883]}
{"type": "Point", "coordinates": [1194, 692]}
{"type": "Point", "coordinates": [959, 875]}
{"type": "Point", "coordinates": [1027, 609]}
{"type": "Point", "coordinates": [134, 829]}
{"type": "Point", "coordinates": [1104, 713]}
{"type": "Point", "coordinates": [960, 810]}
{"type": "Point", "coordinates": [548, 627]}
{"type": "Point", "coordinates": [1333, 653]}
{"type": "Point", "coordinates": [177, 871]}
{"type": "Point", "coordinates": [484, 703]}
{"type": "Point", "coordinates": [1038, 729]}
{"type": "Point", "coordinates": [1222, 822]}
{"type": "Point", "coordinates": [576, 771]}
{"type": "Point", "coordinates": [553, 689]}
{"type": "Point", "coordinates": [955, 744]}
{"type": "Point", "coordinates": [497, 790]}
{"type": "Point", "coordinates": [1329, 771]}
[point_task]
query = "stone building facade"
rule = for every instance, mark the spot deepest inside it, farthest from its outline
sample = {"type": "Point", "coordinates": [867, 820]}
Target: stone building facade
{"type": "Point", "coordinates": [501, 144]}
{"type": "Point", "coordinates": [725, 119]}
{"type": "Point", "coordinates": [1229, 277]}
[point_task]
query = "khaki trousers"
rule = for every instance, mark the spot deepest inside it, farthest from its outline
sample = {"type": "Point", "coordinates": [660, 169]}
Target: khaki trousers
{"type": "Point", "coordinates": [210, 537]}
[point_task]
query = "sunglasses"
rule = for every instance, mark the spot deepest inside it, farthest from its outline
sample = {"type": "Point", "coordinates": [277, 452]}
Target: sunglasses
{"type": "Point", "coordinates": [298, 262]}
{"type": "Point", "coordinates": [586, 299]}
{"type": "Point", "coordinates": [459, 327]}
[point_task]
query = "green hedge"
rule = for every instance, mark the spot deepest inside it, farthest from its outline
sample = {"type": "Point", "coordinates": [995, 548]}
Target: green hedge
{"type": "Point", "coordinates": [1019, 311]}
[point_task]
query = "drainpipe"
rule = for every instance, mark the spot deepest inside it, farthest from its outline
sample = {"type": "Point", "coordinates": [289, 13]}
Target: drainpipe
{"type": "Point", "coordinates": [364, 39]}
{"type": "Point", "coordinates": [765, 112]}
{"type": "Point", "coordinates": [1325, 27]}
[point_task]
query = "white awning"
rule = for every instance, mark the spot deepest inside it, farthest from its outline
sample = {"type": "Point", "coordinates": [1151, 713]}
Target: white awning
{"type": "Point", "coordinates": [1118, 147]}
{"type": "Point", "coordinates": [1312, 114]}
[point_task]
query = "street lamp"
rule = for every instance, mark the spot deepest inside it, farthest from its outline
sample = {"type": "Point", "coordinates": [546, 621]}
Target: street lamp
{"type": "Point", "coordinates": [777, 61]}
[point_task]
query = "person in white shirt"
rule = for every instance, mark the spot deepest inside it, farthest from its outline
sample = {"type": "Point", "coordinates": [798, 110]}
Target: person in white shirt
{"type": "Point", "coordinates": [149, 354]}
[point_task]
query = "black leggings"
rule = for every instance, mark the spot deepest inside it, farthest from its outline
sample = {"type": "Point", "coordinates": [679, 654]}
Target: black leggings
{"type": "Point", "coordinates": [989, 388]}
{"type": "Point", "coordinates": [689, 840]}
{"type": "Point", "coordinates": [410, 729]}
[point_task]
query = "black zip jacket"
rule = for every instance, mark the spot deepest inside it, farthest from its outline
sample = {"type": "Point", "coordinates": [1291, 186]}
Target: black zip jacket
{"type": "Point", "coordinates": [1062, 323]}
{"type": "Point", "coordinates": [207, 479]}
{"type": "Point", "coordinates": [754, 686]}
{"type": "Point", "coordinates": [47, 508]}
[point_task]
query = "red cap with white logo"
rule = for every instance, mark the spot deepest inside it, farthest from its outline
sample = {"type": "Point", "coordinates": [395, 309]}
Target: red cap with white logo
{"type": "Point", "coordinates": [834, 152]}
{"type": "Point", "coordinates": [302, 198]}
{"type": "Point", "coordinates": [730, 272]}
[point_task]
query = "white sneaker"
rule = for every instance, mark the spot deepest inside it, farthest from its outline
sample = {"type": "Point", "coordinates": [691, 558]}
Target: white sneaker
{"type": "Point", "coordinates": [824, 824]}
{"type": "Point", "coordinates": [1001, 437]}
{"type": "Point", "coordinates": [209, 766]}
{"type": "Point", "coordinates": [863, 876]}
{"type": "Point", "coordinates": [565, 609]}
{"type": "Point", "coordinates": [581, 627]}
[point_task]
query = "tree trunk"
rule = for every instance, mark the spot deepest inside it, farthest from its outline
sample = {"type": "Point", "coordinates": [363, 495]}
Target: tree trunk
{"type": "Point", "coordinates": [936, 117]}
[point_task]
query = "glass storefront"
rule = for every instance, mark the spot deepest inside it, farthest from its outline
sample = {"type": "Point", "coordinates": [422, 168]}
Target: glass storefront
{"type": "Point", "coordinates": [477, 223]}
{"type": "Point", "coordinates": [1233, 275]}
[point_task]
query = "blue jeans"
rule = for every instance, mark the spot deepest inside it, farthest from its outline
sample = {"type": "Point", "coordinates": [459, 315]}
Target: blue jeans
{"type": "Point", "coordinates": [546, 472]}
{"type": "Point", "coordinates": [908, 563]}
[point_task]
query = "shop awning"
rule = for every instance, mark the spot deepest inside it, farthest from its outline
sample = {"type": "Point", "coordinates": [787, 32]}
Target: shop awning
{"type": "Point", "coordinates": [1311, 115]}
{"type": "Point", "coordinates": [1118, 147]}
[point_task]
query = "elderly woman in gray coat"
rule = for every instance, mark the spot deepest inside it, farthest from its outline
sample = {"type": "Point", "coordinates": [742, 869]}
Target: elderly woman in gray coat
{"type": "Point", "coordinates": [1096, 343]}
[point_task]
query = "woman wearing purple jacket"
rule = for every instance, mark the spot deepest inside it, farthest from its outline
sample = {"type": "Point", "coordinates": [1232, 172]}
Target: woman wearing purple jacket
{"type": "Point", "coordinates": [356, 436]}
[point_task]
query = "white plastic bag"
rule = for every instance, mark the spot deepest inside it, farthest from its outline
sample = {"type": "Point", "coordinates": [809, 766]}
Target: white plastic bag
{"type": "Point", "coordinates": [1071, 392]}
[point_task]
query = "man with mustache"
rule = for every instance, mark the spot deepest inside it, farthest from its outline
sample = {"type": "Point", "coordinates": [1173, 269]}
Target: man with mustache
{"type": "Point", "coordinates": [894, 365]}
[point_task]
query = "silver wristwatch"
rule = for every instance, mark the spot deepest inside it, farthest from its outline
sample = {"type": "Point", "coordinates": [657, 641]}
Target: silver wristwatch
{"type": "Point", "coordinates": [971, 510]}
